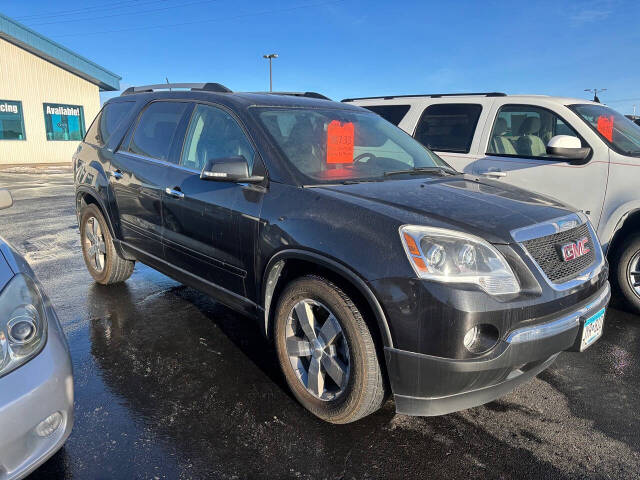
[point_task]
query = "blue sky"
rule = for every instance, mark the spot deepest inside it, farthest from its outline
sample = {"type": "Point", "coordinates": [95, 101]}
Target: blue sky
{"type": "Point", "coordinates": [346, 48]}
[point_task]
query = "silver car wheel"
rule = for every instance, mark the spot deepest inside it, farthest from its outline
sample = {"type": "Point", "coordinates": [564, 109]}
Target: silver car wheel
{"type": "Point", "coordinates": [317, 349]}
{"type": "Point", "coordinates": [94, 244]}
{"type": "Point", "coordinates": [633, 273]}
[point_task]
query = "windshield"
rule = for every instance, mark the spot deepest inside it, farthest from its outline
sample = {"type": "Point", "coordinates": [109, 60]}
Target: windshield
{"type": "Point", "coordinates": [620, 133]}
{"type": "Point", "coordinates": [332, 145]}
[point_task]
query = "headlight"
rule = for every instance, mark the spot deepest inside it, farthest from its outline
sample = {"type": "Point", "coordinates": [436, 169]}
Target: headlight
{"type": "Point", "coordinates": [23, 325]}
{"type": "Point", "coordinates": [449, 256]}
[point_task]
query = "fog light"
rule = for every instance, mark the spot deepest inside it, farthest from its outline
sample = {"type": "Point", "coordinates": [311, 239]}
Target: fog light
{"type": "Point", "coordinates": [49, 425]}
{"type": "Point", "coordinates": [481, 338]}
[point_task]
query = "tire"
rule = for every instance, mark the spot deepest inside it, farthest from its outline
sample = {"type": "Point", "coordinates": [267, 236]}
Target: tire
{"type": "Point", "coordinates": [362, 389]}
{"type": "Point", "coordinates": [114, 268]}
{"type": "Point", "coordinates": [628, 261]}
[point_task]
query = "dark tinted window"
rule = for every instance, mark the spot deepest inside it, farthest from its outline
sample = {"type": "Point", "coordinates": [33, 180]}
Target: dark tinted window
{"type": "Point", "coordinates": [448, 127]}
{"type": "Point", "coordinates": [156, 129]}
{"type": "Point", "coordinates": [214, 134]}
{"type": "Point", "coordinates": [391, 113]}
{"type": "Point", "coordinates": [107, 121]}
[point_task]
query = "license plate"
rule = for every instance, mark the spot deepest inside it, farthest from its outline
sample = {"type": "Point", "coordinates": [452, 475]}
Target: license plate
{"type": "Point", "coordinates": [592, 329]}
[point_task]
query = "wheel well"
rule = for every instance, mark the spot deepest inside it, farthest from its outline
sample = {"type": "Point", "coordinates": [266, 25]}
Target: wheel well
{"type": "Point", "coordinates": [296, 268]}
{"type": "Point", "coordinates": [630, 225]}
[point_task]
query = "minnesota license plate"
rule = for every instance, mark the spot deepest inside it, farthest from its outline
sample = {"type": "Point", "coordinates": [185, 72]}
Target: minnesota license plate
{"type": "Point", "coordinates": [592, 329]}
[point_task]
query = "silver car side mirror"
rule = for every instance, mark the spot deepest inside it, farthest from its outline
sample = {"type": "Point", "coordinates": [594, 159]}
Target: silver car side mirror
{"type": "Point", "coordinates": [6, 200]}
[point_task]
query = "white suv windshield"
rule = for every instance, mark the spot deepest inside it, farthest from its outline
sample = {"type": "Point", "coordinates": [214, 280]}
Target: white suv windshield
{"type": "Point", "coordinates": [618, 131]}
{"type": "Point", "coordinates": [329, 145]}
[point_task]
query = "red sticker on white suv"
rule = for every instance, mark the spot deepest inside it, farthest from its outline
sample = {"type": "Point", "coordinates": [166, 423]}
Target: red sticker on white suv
{"type": "Point", "coordinates": [340, 142]}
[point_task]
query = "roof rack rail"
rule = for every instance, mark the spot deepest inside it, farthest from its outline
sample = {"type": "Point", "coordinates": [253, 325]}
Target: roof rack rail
{"type": "Point", "coordinates": [432, 95]}
{"type": "Point", "coordinates": [194, 87]}
{"type": "Point", "coordinates": [298, 94]}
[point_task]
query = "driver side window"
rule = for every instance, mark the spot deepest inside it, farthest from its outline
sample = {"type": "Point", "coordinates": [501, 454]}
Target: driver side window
{"type": "Point", "coordinates": [213, 134]}
{"type": "Point", "coordinates": [524, 131]}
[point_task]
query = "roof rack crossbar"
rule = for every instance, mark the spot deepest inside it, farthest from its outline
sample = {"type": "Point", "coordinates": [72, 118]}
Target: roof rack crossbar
{"type": "Point", "coordinates": [203, 87]}
{"type": "Point", "coordinates": [431, 95]}
{"type": "Point", "coordinates": [299, 94]}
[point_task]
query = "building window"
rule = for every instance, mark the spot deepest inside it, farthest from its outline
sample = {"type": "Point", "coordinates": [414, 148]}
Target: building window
{"type": "Point", "coordinates": [11, 120]}
{"type": "Point", "coordinates": [63, 122]}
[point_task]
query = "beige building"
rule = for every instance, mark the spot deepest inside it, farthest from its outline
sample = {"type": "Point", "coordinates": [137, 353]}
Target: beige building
{"type": "Point", "coordinates": [48, 96]}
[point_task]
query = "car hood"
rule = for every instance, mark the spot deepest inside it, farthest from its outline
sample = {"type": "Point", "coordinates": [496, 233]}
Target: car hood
{"type": "Point", "coordinates": [485, 208]}
{"type": "Point", "coordinates": [11, 263]}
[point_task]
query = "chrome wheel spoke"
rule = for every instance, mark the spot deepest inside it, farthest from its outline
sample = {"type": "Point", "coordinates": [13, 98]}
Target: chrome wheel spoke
{"type": "Point", "coordinates": [336, 370]}
{"type": "Point", "coordinates": [96, 247]}
{"type": "Point", "coordinates": [306, 319]}
{"type": "Point", "coordinates": [330, 330]}
{"type": "Point", "coordinates": [296, 347]}
{"type": "Point", "coordinates": [315, 381]}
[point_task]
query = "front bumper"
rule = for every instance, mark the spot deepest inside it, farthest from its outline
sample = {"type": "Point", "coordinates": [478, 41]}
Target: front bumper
{"type": "Point", "coordinates": [428, 385]}
{"type": "Point", "coordinates": [28, 395]}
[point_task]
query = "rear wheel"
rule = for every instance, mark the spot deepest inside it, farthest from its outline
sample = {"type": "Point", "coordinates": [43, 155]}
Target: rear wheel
{"type": "Point", "coordinates": [628, 271]}
{"type": "Point", "coordinates": [100, 256]}
{"type": "Point", "coordinates": [326, 351]}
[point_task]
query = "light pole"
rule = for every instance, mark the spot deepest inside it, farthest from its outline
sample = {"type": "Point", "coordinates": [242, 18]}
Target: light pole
{"type": "Point", "coordinates": [595, 93]}
{"type": "Point", "coordinates": [270, 56]}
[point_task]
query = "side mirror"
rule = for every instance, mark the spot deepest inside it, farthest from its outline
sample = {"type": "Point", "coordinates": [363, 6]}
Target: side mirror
{"type": "Point", "coordinates": [229, 169]}
{"type": "Point", "coordinates": [6, 200]}
{"type": "Point", "coordinates": [567, 146]}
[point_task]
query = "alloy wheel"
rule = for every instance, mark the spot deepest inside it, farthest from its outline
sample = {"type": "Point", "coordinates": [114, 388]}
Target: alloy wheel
{"type": "Point", "coordinates": [317, 349]}
{"type": "Point", "coordinates": [95, 244]}
{"type": "Point", "coordinates": [633, 273]}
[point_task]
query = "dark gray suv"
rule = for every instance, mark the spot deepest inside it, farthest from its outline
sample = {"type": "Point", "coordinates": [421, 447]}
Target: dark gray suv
{"type": "Point", "coordinates": [372, 264]}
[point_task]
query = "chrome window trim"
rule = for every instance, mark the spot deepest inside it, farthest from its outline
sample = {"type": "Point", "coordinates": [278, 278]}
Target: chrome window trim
{"type": "Point", "coordinates": [562, 324]}
{"type": "Point", "coordinates": [157, 161]}
{"type": "Point", "coordinates": [557, 225]}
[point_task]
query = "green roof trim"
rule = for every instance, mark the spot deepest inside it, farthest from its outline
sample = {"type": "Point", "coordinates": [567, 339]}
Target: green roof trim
{"type": "Point", "coordinates": [55, 53]}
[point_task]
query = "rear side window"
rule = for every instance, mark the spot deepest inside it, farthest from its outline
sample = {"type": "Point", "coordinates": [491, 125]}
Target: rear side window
{"type": "Point", "coordinates": [109, 118]}
{"type": "Point", "coordinates": [156, 129]}
{"type": "Point", "coordinates": [448, 127]}
{"type": "Point", "coordinates": [391, 113]}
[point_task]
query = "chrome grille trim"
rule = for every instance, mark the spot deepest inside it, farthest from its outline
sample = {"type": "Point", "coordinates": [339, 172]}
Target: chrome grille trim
{"type": "Point", "coordinates": [557, 225]}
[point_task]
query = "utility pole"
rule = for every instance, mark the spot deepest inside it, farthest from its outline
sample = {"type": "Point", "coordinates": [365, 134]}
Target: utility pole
{"type": "Point", "coordinates": [634, 111]}
{"type": "Point", "coordinates": [595, 93]}
{"type": "Point", "coordinates": [270, 56]}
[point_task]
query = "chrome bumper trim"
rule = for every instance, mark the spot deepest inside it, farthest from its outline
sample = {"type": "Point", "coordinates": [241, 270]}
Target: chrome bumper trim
{"type": "Point", "coordinates": [567, 322]}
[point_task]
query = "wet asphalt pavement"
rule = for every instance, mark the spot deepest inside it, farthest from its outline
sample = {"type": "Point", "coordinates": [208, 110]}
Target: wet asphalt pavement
{"type": "Point", "coordinates": [170, 384]}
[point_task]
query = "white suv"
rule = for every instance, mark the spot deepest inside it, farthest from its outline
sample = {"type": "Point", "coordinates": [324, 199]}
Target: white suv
{"type": "Point", "coordinates": [579, 152]}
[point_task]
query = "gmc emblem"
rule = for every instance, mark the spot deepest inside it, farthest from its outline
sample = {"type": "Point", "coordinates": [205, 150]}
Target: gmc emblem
{"type": "Point", "coordinates": [571, 251]}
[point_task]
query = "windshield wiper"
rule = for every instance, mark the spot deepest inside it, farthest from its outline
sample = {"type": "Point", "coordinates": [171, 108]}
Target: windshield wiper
{"type": "Point", "coordinates": [418, 170]}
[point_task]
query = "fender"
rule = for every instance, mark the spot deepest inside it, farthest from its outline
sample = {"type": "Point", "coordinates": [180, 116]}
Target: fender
{"type": "Point", "coordinates": [274, 269]}
{"type": "Point", "coordinates": [616, 221]}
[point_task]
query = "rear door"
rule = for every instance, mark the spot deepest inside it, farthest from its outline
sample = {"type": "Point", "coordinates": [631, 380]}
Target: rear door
{"type": "Point", "coordinates": [138, 171]}
{"type": "Point", "coordinates": [515, 147]}
{"type": "Point", "coordinates": [210, 226]}
{"type": "Point", "coordinates": [453, 130]}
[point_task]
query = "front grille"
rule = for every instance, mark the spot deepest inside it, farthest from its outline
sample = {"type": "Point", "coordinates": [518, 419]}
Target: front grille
{"type": "Point", "coordinates": [546, 251]}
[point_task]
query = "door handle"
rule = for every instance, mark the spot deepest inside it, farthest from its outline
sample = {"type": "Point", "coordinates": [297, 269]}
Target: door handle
{"type": "Point", "coordinates": [117, 174]}
{"type": "Point", "coordinates": [173, 192]}
{"type": "Point", "coordinates": [493, 173]}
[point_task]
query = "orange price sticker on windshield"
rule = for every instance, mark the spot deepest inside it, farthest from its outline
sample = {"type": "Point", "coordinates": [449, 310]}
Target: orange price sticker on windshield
{"type": "Point", "coordinates": [605, 126]}
{"type": "Point", "coordinates": [340, 142]}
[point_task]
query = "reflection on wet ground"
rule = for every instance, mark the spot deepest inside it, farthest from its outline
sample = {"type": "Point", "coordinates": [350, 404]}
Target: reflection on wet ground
{"type": "Point", "coordinates": [169, 384]}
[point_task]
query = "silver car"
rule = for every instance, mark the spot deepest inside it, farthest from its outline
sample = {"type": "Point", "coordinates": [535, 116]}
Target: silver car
{"type": "Point", "coordinates": [36, 382]}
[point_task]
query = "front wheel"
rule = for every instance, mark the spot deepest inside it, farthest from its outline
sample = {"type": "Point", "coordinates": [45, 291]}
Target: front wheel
{"type": "Point", "coordinates": [628, 271]}
{"type": "Point", "coordinates": [100, 256]}
{"type": "Point", "coordinates": [326, 351]}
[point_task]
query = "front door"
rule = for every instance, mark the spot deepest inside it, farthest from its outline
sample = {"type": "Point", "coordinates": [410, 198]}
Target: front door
{"type": "Point", "coordinates": [516, 154]}
{"type": "Point", "coordinates": [211, 226]}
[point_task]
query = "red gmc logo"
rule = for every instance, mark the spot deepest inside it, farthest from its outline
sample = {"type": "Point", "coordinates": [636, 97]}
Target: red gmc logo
{"type": "Point", "coordinates": [571, 251]}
